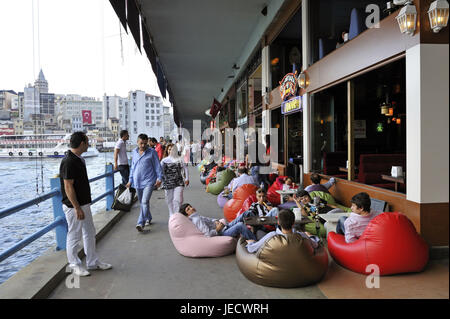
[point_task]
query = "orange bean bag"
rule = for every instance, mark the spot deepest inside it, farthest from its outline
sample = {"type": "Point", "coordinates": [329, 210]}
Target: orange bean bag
{"type": "Point", "coordinates": [390, 241]}
{"type": "Point", "coordinates": [272, 196]}
{"type": "Point", "coordinates": [233, 206]}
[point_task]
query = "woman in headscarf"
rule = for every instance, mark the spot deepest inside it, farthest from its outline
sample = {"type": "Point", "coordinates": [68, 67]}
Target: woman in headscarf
{"type": "Point", "coordinates": [175, 176]}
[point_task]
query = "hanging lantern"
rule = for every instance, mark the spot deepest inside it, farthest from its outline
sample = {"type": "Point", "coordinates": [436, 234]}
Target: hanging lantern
{"type": "Point", "coordinates": [398, 121]}
{"type": "Point", "coordinates": [407, 18]}
{"type": "Point", "coordinates": [384, 109]}
{"type": "Point", "coordinates": [438, 15]}
{"type": "Point", "coordinates": [391, 111]}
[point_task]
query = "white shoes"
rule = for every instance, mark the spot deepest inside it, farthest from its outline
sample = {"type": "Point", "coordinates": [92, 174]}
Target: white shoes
{"type": "Point", "coordinates": [79, 271]}
{"type": "Point", "coordinates": [101, 266]}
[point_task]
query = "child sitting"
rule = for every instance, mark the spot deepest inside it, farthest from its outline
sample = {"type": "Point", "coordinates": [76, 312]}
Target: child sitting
{"type": "Point", "coordinates": [286, 220]}
{"type": "Point", "coordinates": [289, 184]}
{"type": "Point", "coordinates": [259, 208]}
{"type": "Point", "coordinates": [354, 225]}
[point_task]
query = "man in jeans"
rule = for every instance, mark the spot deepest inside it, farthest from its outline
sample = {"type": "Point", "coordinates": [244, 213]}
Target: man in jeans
{"type": "Point", "coordinates": [76, 197]}
{"type": "Point", "coordinates": [145, 174]}
{"type": "Point", "coordinates": [120, 157]}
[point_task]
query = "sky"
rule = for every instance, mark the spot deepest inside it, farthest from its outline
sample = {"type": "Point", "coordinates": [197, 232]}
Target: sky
{"type": "Point", "coordinates": [77, 44]}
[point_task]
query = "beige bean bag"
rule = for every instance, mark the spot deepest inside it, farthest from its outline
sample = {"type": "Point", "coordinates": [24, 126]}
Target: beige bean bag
{"type": "Point", "coordinates": [283, 262]}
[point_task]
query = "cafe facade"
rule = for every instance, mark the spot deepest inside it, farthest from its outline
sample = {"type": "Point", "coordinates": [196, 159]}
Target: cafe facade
{"type": "Point", "coordinates": [362, 108]}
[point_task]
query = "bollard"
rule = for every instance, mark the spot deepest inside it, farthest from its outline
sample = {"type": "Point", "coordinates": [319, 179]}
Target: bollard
{"type": "Point", "coordinates": [109, 186]}
{"type": "Point", "coordinates": [61, 230]}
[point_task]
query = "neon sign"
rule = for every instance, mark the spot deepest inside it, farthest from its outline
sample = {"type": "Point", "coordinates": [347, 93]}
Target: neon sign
{"type": "Point", "coordinates": [288, 86]}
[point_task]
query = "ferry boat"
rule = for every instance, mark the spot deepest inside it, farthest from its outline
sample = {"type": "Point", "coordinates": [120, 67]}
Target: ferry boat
{"type": "Point", "coordinates": [39, 145]}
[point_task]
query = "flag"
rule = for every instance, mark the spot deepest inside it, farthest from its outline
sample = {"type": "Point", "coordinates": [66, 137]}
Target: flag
{"type": "Point", "coordinates": [215, 108]}
{"type": "Point", "coordinates": [87, 116]}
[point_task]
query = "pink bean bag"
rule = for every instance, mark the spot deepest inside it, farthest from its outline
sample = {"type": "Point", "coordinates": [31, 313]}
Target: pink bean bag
{"type": "Point", "coordinates": [190, 242]}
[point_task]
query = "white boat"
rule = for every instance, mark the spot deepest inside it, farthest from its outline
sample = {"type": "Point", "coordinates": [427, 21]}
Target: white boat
{"type": "Point", "coordinates": [37, 146]}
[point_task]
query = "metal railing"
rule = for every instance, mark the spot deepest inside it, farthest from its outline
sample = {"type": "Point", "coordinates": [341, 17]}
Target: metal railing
{"type": "Point", "coordinates": [59, 223]}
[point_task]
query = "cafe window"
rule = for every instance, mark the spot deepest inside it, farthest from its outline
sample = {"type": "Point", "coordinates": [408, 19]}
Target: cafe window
{"type": "Point", "coordinates": [379, 135]}
{"type": "Point", "coordinates": [277, 121]}
{"type": "Point", "coordinates": [335, 22]}
{"type": "Point", "coordinates": [241, 104]}
{"type": "Point", "coordinates": [285, 50]}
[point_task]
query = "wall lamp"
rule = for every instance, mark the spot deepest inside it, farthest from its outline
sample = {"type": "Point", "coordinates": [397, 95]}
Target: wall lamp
{"type": "Point", "coordinates": [303, 80]}
{"type": "Point", "coordinates": [438, 15]}
{"type": "Point", "coordinates": [407, 18]}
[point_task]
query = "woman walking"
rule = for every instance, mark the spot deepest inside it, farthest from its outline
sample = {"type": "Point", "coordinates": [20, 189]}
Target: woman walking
{"type": "Point", "coordinates": [175, 176]}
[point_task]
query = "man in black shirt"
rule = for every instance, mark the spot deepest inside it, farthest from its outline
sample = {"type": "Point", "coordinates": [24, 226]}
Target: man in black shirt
{"type": "Point", "coordinates": [76, 197]}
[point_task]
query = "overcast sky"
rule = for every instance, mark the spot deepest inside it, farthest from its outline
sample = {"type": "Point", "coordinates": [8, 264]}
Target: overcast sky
{"type": "Point", "coordinates": [78, 48]}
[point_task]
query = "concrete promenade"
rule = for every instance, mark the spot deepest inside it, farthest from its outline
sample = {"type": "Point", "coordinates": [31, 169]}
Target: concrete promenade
{"type": "Point", "coordinates": [147, 265]}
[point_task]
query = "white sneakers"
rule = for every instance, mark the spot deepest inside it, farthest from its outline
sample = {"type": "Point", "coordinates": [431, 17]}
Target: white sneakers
{"type": "Point", "coordinates": [79, 271]}
{"type": "Point", "coordinates": [82, 272]}
{"type": "Point", "coordinates": [101, 266]}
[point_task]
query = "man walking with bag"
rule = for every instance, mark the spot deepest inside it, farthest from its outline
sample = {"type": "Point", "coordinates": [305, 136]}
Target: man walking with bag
{"type": "Point", "coordinates": [76, 197]}
{"type": "Point", "coordinates": [145, 173]}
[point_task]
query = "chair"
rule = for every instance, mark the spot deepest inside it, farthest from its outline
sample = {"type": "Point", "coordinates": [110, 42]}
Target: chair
{"type": "Point", "coordinates": [326, 46]}
{"type": "Point", "coordinates": [222, 180]}
{"type": "Point", "coordinates": [390, 241]}
{"type": "Point", "coordinates": [233, 206]}
{"type": "Point", "coordinates": [284, 262]}
{"type": "Point", "coordinates": [189, 241]}
{"type": "Point", "coordinates": [356, 23]}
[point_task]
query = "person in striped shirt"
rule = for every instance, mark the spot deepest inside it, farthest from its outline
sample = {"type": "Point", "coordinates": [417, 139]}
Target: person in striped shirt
{"type": "Point", "coordinates": [354, 225]}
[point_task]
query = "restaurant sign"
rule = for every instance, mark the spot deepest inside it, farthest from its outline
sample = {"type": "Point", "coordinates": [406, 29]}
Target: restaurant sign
{"type": "Point", "coordinates": [288, 86]}
{"type": "Point", "coordinates": [292, 105]}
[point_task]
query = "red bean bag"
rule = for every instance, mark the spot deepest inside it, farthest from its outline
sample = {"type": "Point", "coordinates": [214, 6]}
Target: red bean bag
{"type": "Point", "coordinates": [390, 241]}
{"type": "Point", "coordinates": [272, 195]}
{"type": "Point", "coordinates": [247, 203]}
{"type": "Point", "coordinates": [235, 204]}
{"type": "Point", "coordinates": [211, 175]}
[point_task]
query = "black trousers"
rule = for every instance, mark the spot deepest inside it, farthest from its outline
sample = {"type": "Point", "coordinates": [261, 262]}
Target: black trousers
{"type": "Point", "coordinates": [125, 173]}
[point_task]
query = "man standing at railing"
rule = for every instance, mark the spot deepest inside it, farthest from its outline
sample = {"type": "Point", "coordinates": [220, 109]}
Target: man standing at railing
{"type": "Point", "coordinates": [145, 174]}
{"type": "Point", "coordinates": [76, 197]}
{"type": "Point", "coordinates": [120, 157]}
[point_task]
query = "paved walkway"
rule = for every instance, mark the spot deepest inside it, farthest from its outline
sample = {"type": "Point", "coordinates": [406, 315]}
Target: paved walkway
{"type": "Point", "coordinates": [146, 265]}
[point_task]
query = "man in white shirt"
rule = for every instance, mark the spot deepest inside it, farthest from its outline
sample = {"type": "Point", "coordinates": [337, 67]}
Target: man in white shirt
{"type": "Point", "coordinates": [120, 157]}
{"type": "Point", "coordinates": [195, 149]}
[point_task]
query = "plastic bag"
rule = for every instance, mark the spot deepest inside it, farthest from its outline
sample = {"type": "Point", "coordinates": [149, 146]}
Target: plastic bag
{"type": "Point", "coordinates": [125, 198]}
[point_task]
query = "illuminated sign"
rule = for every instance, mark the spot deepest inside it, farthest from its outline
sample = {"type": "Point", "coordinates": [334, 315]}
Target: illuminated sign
{"type": "Point", "coordinates": [292, 105]}
{"type": "Point", "coordinates": [288, 86]}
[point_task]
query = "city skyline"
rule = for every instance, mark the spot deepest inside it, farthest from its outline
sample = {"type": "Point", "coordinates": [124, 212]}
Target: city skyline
{"type": "Point", "coordinates": [93, 48]}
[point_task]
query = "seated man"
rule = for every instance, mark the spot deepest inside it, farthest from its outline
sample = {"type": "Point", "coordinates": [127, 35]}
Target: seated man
{"type": "Point", "coordinates": [354, 225]}
{"type": "Point", "coordinates": [316, 186]}
{"type": "Point", "coordinates": [286, 220]}
{"type": "Point", "coordinates": [242, 179]}
{"type": "Point", "coordinates": [303, 201]}
{"type": "Point", "coordinates": [213, 227]}
{"type": "Point", "coordinates": [259, 208]}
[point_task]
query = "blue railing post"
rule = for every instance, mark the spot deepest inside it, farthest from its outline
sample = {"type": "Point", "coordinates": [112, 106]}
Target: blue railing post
{"type": "Point", "coordinates": [109, 186]}
{"type": "Point", "coordinates": [61, 230]}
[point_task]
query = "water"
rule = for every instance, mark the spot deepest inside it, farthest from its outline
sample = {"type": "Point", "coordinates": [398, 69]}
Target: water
{"type": "Point", "coordinates": [17, 185]}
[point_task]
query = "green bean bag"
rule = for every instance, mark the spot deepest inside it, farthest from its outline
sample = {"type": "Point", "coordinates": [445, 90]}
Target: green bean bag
{"type": "Point", "coordinates": [330, 200]}
{"type": "Point", "coordinates": [311, 228]}
{"type": "Point", "coordinates": [222, 180]}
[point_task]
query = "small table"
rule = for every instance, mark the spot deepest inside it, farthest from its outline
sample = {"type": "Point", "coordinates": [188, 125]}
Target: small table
{"type": "Point", "coordinates": [272, 221]}
{"type": "Point", "coordinates": [287, 192]}
{"type": "Point", "coordinates": [396, 180]}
